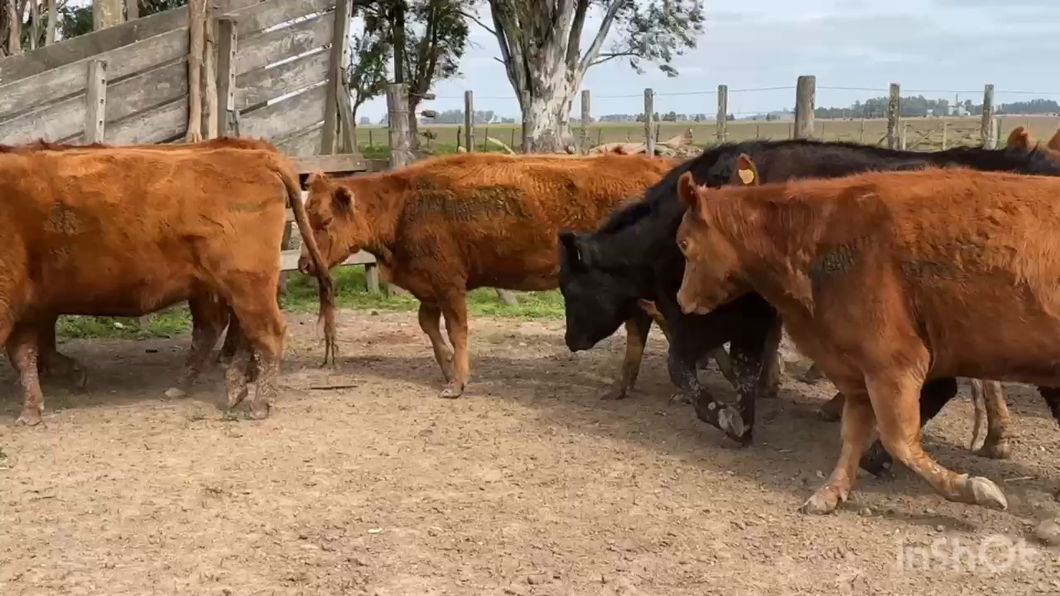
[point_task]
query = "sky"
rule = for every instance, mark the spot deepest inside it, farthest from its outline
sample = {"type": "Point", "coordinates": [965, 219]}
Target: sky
{"type": "Point", "coordinates": [933, 47]}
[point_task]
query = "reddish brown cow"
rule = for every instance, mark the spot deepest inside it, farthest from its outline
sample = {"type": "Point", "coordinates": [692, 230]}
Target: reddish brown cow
{"type": "Point", "coordinates": [210, 314]}
{"type": "Point", "coordinates": [447, 225]}
{"type": "Point", "coordinates": [887, 280]}
{"type": "Point", "coordinates": [125, 232]}
{"type": "Point", "coordinates": [1020, 139]}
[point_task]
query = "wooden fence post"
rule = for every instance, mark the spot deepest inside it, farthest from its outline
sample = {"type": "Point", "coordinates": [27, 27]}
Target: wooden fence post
{"type": "Point", "coordinates": [14, 33]}
{"type": "Point", "coordinates": [340, 32]}
{"type": "Point", "coordinates": [226, 75]}
{"type": "Point", "coordinates": [34, 24]}
{"type": "Point", "coordinates": [805, 97]}
{"type": "Point", "coordinates": [649, 122]}
{"type": "Point", "coordinates": [96, 102]}
{"type": "Point", "coordinates": [397, 106]}
{"type": "Point", "coordinates": [985, 132]}
{"type": "Point", "coordinates": [586, 118]}
{"type": "Point", "coordinates": [469, 121]}
{"type": "Point", "coordinates": [132, 10]}
{"type": "Point", "coordinates": [894, 115]}
{"type": "Point", "coordinates": [945, 129]}
{"type": "Point", "coordinates": [196, 12]}
{"type": "Point", "coordinates": [723, 113]}
{"type": "Point", "coordinates": [525, 114]}
{"type": "Point", "coordinates": [209, 69]}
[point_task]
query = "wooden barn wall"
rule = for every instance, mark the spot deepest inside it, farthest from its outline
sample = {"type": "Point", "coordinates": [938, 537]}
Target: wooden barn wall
{"type": "Point", "coordinates": [43, 93]}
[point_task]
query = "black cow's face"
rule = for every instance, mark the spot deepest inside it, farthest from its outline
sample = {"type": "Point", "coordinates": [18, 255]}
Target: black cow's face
{"type": "Point", "coordinates": [596, 302]}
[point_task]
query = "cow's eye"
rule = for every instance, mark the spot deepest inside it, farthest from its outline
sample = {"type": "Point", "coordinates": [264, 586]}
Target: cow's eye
{"type": "Point", "coordinates": [325, 222]}
{"type": "Point", "coordinates": [683, 245]}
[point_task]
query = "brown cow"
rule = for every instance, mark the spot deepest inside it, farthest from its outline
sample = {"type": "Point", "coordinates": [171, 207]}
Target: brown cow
{"type": "Point", "coordinates": [446, 225]}
{"type": "Point", "coordinates": [1020, 139]}
{"type": "Point", "coordinates": [210, 315]}
{"type": "Point", "coordinates": [887, 280]}
{"type": "Point", "coordinates": [126, 232]}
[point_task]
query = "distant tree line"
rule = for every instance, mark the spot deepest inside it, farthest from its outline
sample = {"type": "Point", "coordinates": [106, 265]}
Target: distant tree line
{"type": "Point", "coordinates": [920, 107]}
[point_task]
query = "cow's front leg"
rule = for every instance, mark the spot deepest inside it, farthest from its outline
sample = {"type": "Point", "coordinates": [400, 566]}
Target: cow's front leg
{"type": "Point", "coordinates": [637, 329]}
{"type": "Point", "coordinates": [454, 309]}
{"type": "Point", "coordinates": [935, 394]}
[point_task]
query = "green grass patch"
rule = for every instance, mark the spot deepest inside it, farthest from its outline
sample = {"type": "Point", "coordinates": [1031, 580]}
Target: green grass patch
{"type": "Point", "coordinates": [350, 292]}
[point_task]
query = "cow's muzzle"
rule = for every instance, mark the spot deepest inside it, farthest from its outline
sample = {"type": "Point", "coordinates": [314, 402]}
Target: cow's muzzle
{"type": "Point", "coordinates": [306, 265]}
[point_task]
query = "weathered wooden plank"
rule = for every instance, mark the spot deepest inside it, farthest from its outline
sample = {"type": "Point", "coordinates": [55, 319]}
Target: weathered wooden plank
{"type": "Point", "coordinates": [95, 101]}
{"type": "Point", "coordinates": [289, 259]}
{"type": "Point", "coordinates": [274, 46]}
{"type": "Point", "coordinates": [54, 122]}
{"type": "Point", "coordinates": [153, 126]}
{"type": "Point", "coordinates": [70, 79]}
{"type": "Point", "coordinates": [377, 165]}
{"type": "Point", "coordinates": [303, 144]}
{"type": "Point", "coordinates": [261, 85]}
{"type": "Point", "coordinates": [255, 19]}
{"type": "Point", "coordinates": [291, 114]}
{"type": "Point", "coordinates": [226, 75]}
{"type": "Point", "coordinates": [344, 162]}
{"type": "Point", "coordinates": [147, 90]}
{"type": "Point", "coordinates": [21, 66]}
{"type": "Point", "coordinates": [339, 52]}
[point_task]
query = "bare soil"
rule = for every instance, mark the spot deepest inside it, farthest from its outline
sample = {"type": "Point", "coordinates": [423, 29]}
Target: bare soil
{"type": "Point", "coordinates": [529, 484]}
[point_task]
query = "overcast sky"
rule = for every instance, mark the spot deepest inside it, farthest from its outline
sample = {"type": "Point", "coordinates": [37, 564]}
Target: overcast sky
{"type": "Point", "coordinates": [939, 46]}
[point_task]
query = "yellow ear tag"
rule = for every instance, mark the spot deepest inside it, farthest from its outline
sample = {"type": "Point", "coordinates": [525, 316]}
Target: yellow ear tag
{"type": "Point", "coordinates": [747, 176]}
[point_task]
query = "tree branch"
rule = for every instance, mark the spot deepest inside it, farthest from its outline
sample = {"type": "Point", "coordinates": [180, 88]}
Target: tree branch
{"type": "Point", "coordinates": [606, 57]}
{"type": "Point", "coordinates": [601, 33]}
{"type": "Point", "coordinates": [574, 40]}
{"type": "Point", "coordinates": [478, 22]}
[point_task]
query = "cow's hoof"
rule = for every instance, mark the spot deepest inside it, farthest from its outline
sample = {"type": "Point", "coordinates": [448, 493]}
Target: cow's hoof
{"type": "Point", "coordinates": [614, 393]}
{"type": "Point", "coordinates": [730, 421]}
{"type": "Point", "coordinates": [982, 491]}
{"type": "Point", "coordinates": [998, 450]}
{"type": "Point", "coordinates": [258, 412]}
{"type": "Point", "coordinates": [235, 400]}
{"type": "Point", "coordinates": [877, 461]}
{"type": "Point", "coordinates": [822, 502]}
{"type": "Point", "coordinates": [29, 418]}
{"type": "Point", "coordinates": [175, 393]}
{"type": "Point", "coordinates": [679, 398]}
{"type": "Point", "coordinates": [452, 391]}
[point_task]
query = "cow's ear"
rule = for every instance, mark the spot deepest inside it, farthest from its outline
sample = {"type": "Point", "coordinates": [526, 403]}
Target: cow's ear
{"type": "Point", "coordinates": [569, 241]}
{"type": "Point", "coordinates": [686, 189]}
{"type": "Point", "coordinates": [1054, 143]}
{"type": "Point", "coordinates": [1018, 139]}
{"type": "Point", "coordinates": [315, 179]}
{"type": "Point", "coordinates": [746, 174]}
{"type": "Point", "coordinates": [343, 198]}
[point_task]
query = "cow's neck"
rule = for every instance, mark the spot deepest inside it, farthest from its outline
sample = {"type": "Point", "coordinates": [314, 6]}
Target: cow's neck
{"type": "Point", "coordinates": [379, 199]}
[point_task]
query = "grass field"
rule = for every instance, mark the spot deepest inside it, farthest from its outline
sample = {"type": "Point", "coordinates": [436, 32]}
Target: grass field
{"type": "Point", "coordinates": [921, 133]}
{"type": "Point", "coordinates": [302, 297]}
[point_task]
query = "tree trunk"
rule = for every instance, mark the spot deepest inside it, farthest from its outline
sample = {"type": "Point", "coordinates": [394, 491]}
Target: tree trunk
{"type": "Point", "coordinates": [196, 24]}
{"type": "Point", "coordinates": [414, 125]}
{"type": "Point", "coordinates": [106, 13]}
{"type": "Point", "coordinates": [552, 84]}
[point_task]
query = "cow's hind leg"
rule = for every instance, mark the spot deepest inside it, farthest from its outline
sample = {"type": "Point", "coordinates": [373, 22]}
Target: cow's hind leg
{"type": "Point", "coordinates": [208, 317]}
{"type": "Point", "coordinates": [996, 444]}
{"type": "Point", "coordinates": [454, 308]}
{"type": "Point", "coordinates": [262, 328]}
{"type": "Point", "coordinates": [894, 401]}
{"type": "Point", "coordinates": [52, 362]}
{"type": "Point", "coordinates": [22, 347]}
{"type": "Point", "coordinates": [935, 394]}
{"type": "Point", "coordinates": [832, 410]}
{"type": "Point", "coordinates": [856, 429]}
{"type": "Point", "coordinates": [637, 329]}
{"type": "Point", "coordinates": [431, 323]}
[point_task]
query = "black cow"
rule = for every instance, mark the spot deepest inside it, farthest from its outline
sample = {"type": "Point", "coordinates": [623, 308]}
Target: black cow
{"type": "Point", "coordinates": [634, 255]}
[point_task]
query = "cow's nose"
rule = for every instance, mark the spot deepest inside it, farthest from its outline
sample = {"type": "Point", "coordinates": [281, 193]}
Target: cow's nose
{"type": "Point", "coordinates": [305, 265]}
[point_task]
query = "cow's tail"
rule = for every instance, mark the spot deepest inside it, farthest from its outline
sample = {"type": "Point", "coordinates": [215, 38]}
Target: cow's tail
{"type": "Point", "coordinates": [323, 274]}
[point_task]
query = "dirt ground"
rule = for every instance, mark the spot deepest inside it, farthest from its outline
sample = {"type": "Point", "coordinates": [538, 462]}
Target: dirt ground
{"type": "Point", "coordinates": [529, 484]}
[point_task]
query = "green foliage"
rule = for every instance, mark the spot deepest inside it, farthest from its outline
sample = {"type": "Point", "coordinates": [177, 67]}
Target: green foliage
{"type": "Point", "coordinates": [654, 31]}
{"type": "Point", "coordinates": [77, 20]}
{"type": "Point", "coordinates": [366, 75]}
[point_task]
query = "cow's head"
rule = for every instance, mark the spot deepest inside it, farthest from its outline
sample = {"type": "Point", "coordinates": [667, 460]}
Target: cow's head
{"type": "Point", "coordinates": [596, 301]}
{"type": "Point", "coordinates": [712, 262]}
{"type": "Point", "coordinates": [336, 226]}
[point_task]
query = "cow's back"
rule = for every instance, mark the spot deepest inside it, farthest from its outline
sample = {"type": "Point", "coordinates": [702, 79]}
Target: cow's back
{"type": "Point", "coordinates": [499, 217]}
